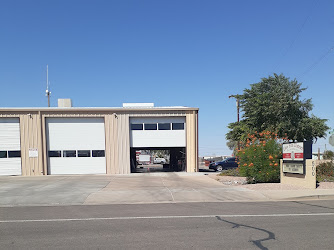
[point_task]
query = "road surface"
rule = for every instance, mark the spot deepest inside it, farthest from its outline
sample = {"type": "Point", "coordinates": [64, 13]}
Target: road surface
{"type": "Point", "coordinates": [234, 225]}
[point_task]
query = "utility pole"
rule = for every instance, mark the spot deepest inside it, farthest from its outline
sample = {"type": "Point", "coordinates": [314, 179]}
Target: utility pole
{"type": "Point", "coordinates": [48, 93]}
{"type": "Point", "coordinates": [238, 108]}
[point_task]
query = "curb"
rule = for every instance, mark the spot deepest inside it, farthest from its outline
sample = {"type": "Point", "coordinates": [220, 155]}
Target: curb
{"type": "Point", "coordinates": [312, 197]}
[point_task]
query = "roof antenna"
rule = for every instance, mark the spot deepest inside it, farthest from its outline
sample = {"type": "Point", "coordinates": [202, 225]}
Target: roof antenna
{"type": "Point", "coordinates": [48, 93]}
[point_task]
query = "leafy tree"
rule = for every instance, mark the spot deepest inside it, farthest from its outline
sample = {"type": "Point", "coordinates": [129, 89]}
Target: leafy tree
{"type": "Point", "coordinates": [275, 104]}
{"type": "Point", "coordinates": [328, 155]}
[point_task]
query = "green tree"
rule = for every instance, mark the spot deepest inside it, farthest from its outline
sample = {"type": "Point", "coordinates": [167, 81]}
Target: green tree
{"type": "Point", "coordinates": [328, 155]}
{"type": "Point", "coordinates": [275, 104]}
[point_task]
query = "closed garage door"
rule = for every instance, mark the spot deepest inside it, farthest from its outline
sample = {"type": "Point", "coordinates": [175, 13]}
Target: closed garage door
{"type": "Point", "coordinates": [76, 145]}
{"type": "Point", "coordinates": [158, 132]}
{"type": "Point", "coordinates": [10, 154]}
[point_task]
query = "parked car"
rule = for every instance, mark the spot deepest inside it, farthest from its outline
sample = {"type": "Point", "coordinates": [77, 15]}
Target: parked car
{"type": "Point", "coordinates": [159, 161]}
{"type": "Point", "coordinates": [228, 163]}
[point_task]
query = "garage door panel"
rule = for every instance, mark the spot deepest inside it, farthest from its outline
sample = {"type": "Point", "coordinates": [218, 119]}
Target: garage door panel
{"type": "Point", "coordinates": [76, 133]}
{"type": "Point", "coordinates": [176, 138]}
{"type": "Point", "coordinates": [10, 141]}
{"type": "Point", "coordinates": [10, 166]}
{"type": "Point", "coordinates": [9, 134]}
{"type": "Point", "coordinates": [78, 166]}
{"type": "Point", "coordinates": [66, 134]}
{"type": "Point", "coordinates": [157, 132]}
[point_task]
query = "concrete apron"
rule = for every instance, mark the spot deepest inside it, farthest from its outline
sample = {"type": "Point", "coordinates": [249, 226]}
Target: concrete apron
{"type": "Point", "coordinates": [169, 188]}
{"type": "Point", "coordinates": [119, 189]}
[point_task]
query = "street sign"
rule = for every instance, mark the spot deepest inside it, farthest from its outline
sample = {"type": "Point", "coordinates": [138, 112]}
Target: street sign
{"type": "Point", "coordinates": [331, 140]}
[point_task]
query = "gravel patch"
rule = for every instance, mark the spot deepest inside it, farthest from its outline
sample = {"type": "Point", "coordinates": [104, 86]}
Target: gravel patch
{"type": "Point", "coordinates": [237, 181]}
{"type": "Point", "coordinates": [326, 185]}
{"type": "Point", "coordinates": [229, 180]}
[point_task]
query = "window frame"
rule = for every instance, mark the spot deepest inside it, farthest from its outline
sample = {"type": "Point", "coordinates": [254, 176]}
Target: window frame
{"type": "Point", "coordinates": [150, 124]}
{"type": "Point", "coordinates": [67, 152]}
{"type": "Point", "coordinates": [14, 151]}
{"type": "Point", "coordinates": [95, 153]}
{"type": "Point", "coordinates": [59, 153]}
{"type": "Point", "coordinates": [163, 124]}
{"type": "Point", "coordinates": [5, 156]}
{"type": "Point", "coordinates": [133, 125]}
{"type": "Point", "coordinates": [80, 151]}
{"type": "Point", "coordinates": [174, 124]}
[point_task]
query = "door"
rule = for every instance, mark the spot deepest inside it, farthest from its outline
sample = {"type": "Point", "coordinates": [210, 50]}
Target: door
{"type": "Point", "coordinates": [76, 145]}
{"type": "Point", "coordinates": [10, 154]}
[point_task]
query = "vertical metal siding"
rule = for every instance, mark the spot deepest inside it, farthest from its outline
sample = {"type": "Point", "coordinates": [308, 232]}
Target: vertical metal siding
{"type": "Point", "coordinates": [30, 127]}
{"type": "Point", "coordinates": [192, 147]}
{"type": "Point", "coordinates": [117, 143]}
{"type": "Point", "coordinates": [125, 144]}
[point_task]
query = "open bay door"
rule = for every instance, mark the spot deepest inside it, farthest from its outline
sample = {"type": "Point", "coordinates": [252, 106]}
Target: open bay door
{"type": "Point", "coordinates": [154, 135]}
{"type": "Point", "coordinates": [76, 145]}
{"type": "Point", "coordinates": [10, 154]}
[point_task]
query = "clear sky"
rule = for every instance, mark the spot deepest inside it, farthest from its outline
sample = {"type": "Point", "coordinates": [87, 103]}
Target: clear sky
{"type": "Point", "coordinates": [170, 52]}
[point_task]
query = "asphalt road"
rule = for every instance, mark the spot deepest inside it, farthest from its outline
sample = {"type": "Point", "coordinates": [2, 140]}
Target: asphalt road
{"type": "Point", "coordinates": [234, 225]}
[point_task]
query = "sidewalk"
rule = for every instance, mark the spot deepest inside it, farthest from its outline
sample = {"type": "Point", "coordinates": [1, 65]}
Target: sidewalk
{"type": "Point", "coordinates": [143, 189]}
{"type": "Point", "coordinates": [278, 191]}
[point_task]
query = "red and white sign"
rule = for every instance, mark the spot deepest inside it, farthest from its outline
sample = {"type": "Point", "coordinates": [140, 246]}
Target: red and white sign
{"type": "Point", "coordinates": [293, 151]}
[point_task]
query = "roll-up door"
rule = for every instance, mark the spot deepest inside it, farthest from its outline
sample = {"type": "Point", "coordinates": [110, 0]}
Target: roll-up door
{"type": "Point", "coordinates": [158, 132]}
{"type": "Point", "coordinates": [76, 145]}
{"type": "Point", "coordinates": [10, 154]}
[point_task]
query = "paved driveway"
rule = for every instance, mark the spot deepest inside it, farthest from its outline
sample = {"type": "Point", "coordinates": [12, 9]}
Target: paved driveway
{"type": "Point", "coordinates": [119, 189]}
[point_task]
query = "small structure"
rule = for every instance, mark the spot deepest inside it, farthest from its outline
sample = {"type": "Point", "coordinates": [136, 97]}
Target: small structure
{"type": "Point", "coordinates": [297, 166]}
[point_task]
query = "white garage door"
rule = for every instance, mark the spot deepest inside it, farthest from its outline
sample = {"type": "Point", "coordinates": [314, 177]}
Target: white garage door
{"type": "Point", "coordinates": [158, 132]}
{"type": "Point", "coordinates": [10, 154]}
{"type": "Point", "coordinates": [76, 145]}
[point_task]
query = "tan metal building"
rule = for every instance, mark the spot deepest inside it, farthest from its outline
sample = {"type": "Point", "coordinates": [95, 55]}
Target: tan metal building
{"type": "Point", "coordinates": [43, 141]}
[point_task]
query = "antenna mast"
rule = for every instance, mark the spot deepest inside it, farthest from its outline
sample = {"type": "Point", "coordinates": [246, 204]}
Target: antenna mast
{"type": "Point", "coordinates": [48, 93]}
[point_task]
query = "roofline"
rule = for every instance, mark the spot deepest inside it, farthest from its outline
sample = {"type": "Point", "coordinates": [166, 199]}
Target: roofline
{"type": "Point", "coordinates": [97, 109]}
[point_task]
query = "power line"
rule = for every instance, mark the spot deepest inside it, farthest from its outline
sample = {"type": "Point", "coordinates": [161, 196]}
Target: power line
{"type": "Point", "coordinates": [297, 35]}
{"type": "Point", "coordinates": [316, 62]}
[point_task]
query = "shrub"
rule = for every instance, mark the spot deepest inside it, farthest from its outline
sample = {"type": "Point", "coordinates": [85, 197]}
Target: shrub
{"type": "Point", "coordinates": [259, 158]}
{"type": "Point", "coordinates": [325, 171]}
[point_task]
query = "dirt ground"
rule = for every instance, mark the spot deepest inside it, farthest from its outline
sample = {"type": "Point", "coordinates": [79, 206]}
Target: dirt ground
{"type": "Point", "coordinates": [237, 181]}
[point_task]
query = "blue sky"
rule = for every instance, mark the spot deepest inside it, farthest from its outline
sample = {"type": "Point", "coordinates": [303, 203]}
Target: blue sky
{"type": "Point", "coordinates": [173, 53]}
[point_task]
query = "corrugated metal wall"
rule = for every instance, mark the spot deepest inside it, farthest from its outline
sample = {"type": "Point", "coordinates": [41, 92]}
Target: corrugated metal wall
{"type": "Point", "coordinates": [33, 136]}
{"type": "Point", "coordinates": [117, 143]}
{"type": "Point", "coordinates": [192, 141]}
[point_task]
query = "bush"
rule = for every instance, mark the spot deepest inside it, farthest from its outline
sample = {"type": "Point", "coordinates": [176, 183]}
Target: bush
{"type": "Point", "coordinates": [325, 171]}
{"type": "Point", "coordinates": [259, 158]}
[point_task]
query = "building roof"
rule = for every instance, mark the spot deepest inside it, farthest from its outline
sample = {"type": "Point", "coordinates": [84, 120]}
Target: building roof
{"type": "Point", "coordinates": [96, 109]}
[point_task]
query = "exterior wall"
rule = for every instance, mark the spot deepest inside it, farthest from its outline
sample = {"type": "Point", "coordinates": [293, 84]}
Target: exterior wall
{"type": "Point", "coordinates": [117, 143]}
{"type": "Point", "coordinates": [117, 135]}
{"type": "Point", "coordinates": [307, 180]}
{"type": "Point", "coordinates": [192, 141]}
